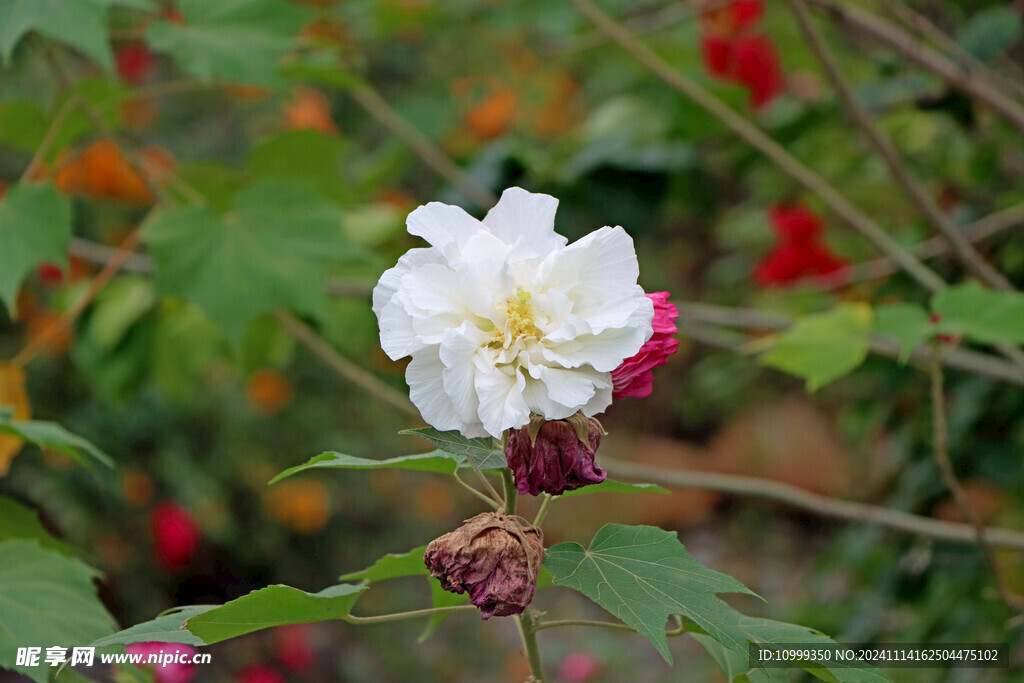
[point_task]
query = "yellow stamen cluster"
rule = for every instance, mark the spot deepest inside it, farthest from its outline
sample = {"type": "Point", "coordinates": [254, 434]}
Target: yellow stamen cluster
{"type": "Point", "coordinates": [520, 316]}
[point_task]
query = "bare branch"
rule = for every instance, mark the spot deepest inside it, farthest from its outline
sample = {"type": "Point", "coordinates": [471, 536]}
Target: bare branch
{"type": "Point", "coordinates": [812, 502]}
{"type": "Point", "coordinates": [841, 206]}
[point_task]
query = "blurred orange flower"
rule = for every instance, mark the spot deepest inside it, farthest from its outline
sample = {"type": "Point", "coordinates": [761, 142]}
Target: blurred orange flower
{"type": "Point", "coordinates": [14, 396]}
{"type": "Point", "coordinates": [269, 391]}
{"type": "Point", "coordinates": [299, 504]}
{"type": "Point", "coordinates": [102, 171]}
{"type": "Point", "coordinates": [309, 109]}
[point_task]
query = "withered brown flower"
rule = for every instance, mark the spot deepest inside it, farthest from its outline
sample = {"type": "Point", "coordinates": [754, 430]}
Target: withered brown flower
{"type": "Point", "coordinates": [494, 557]}
{"type": "Point", "coordinates": [555, 456]}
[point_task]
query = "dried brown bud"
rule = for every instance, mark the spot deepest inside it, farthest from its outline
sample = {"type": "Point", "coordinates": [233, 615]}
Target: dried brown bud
{"type": "Point", "coordinates": [495, 557]}
{"type": "Point", "coordinates": [555, 456]}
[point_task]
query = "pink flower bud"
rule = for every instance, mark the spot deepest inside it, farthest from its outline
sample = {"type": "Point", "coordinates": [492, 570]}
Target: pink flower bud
{"type": "Point", "coordinates": [633, 378]}
{"type": "Point", "coordinates": [494, 557]}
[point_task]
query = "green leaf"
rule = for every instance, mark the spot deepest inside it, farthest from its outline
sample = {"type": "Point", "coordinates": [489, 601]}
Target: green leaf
{"type": "Point", "coordinates": [320, 67]}
{"type": "Point", "coordinates": [822, 347]}
{"type": "Point", "coordinates": [391, 566]}
{"type": "Point", "coordinates": [735, 662]}
{"type": "Point", "coordinates": [82, 24]}
{"type": "Point", "coordinates": [909, 325]}
{"type": "Point", "coordinates": [22, 124]}
{"type": "Point", "coordinates": [990, 32]}
{"type": "Point", "coordinates": [52, 435]}
{"type": "Point", "coordinates": [20, 522]}
{"type": "Point", "coordinates": [273, 251]}
{"type": "Point", "coordinates": [273, 606]}
{"type": "Point", "coordinates": [35, 226]}
{"type": "Point", "coordinates": [481, 452]}
{"type": "Point", "coordinates": [303, 155]}
{"type": "Point", "coordinates": [46, 599]}
{"type": "Point", "coordinates": [167, 628]}
{"type": "Point", "coordinates": [435, 461]}
{"type": "Point", "coordinates": [983, 315]}
{"type": "Point", "coordinates": [612, 486]}
{"type": "Point", "coordinates": [238, 41]}
{"type": "Point", "coordinates": [643, 575]}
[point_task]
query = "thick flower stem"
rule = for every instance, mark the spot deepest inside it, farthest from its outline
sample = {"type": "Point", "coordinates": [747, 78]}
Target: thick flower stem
{"type": "Point", "coordinates": [529, 636]}
{"type": "Point", "coordinates": [510, 491]}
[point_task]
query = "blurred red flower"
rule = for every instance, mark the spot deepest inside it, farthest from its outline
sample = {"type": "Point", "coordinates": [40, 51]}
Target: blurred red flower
{"type": "Point", "coordinates": [800, 252]}
{"type": "Point", "coordinates": [165, 673]}
{"type": "Point", "coordinates": [258, 673]}
{"type": "Point", "coordinates": [292, 646]}
{"type": "Point", "coordinates": [134, 62]}
{"type": "Point", "coordinates": [733, 51]}
{"type": "Point", "coordinates": [176, 534]}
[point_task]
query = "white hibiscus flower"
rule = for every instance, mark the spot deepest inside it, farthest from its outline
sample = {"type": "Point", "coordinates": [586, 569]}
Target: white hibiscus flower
{"type": "Point", "coordinates": [502, 318]}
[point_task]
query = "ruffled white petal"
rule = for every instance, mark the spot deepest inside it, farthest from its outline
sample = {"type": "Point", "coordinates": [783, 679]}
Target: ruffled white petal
{"type": "Point", "coordinates": [526, 220]}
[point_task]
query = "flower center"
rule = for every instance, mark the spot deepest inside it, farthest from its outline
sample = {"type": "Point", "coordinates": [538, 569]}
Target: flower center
{"type": "Point", "coordinates": [519, 317]}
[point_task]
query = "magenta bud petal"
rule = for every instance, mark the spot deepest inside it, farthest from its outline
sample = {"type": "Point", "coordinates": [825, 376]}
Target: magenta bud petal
{"type": "Point", "coordinates": [633, 378]}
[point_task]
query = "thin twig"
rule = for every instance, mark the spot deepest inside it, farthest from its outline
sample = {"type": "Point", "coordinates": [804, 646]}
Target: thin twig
{"type": "Point", "coordinates": [487, 485]}
{"type": "Point", "coordinates": [38, 343]}
{"type": "Point", "coordinates": [694, 316]}
{"type": "Point", "coordinates": [936, 246]}
{"type": "Point", "coordinates": [940, 449]}
{"type": "Point", "coordinates": [482, 496]}
{"type": "Point", "coordinates": [839, 204]}
{"type": "Point", "coordinates": [824, 506]}
{"type": "Point", "coordinates": [885, 149]}
{"type": "Point", "coordinates": [926, 28]}
{"type": "Point", "coordinates": [954, 74]}
{"type": "Point", "coordinates": [412, 614]}
{"type": "Point", "coordinates": [642, 24]}
{"type": "Point", "coordinates": [370, 100]}
{"type": "Point", "coordinates": [348, 370]}
{"type": "Point", "coordinates": [59, 119]}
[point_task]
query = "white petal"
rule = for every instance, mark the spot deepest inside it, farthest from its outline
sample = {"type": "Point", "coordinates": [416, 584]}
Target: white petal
{"type": "Point", "coordinates": [570, 388]}
{"type": "Point", "coordinates": [501, 400]}
{"type": "Point", "coordinates": [390, 280]}
{"type": "Point", "coordinates": [443, 225]}
{"type": "Point", "coordinates": [426, 389]}
{"type": "Point", "coordinates": [595, 269]}
{"type": "Point", "coordinates": [526, 220]}
{"type": "Point", "coordinates": [457, 354]}
{"type": "Point", "coordinates": [398, 338]}
{"type": "Point", "coordinates": [601, 400]}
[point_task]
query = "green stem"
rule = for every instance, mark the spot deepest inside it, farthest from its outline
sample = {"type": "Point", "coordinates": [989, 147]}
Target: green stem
{"type": "Point", "coordinates": [510, 491]}
{"type": "Point", "coordinates": [600, 624]}
{"type": "Point", "coordinates": [527, 631]}
{"type": "Point", "coordinates": [543, 511]}
{"type": "Point", "coordinates": [398, 616]}
{"type": "Point", "coordinates": [482, 496]}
